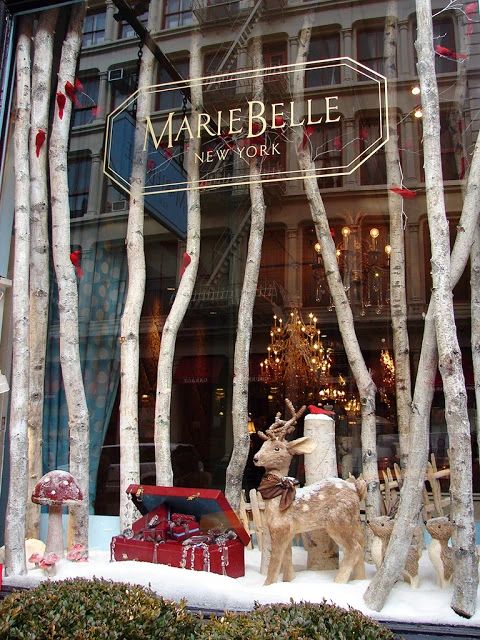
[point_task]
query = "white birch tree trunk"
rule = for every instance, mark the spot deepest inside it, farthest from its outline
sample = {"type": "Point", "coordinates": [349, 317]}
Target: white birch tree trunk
{"type": "Point", "coordinates": [398, 297]}
{"type": "Point", "coordinates": [18, 482]}
{"type": "Point", "coordinates": [39, 259]}
{"type": "Point", "coordinates": [130, 321]}
{"type": "Point", "coordinates": [365, 385]}
{"type": "Point", "coordinates": [475, 320]}
{"type": "Point", "coordinates": [179, 307]}
{"type": "Point", "coordinates": [465, 575]}
{"type": "Point", "coordinates": [78, 420]}
{"type": "Point", "coordinates": [241, 438]}
{"type": "Point", "coordinates": [411, 496]}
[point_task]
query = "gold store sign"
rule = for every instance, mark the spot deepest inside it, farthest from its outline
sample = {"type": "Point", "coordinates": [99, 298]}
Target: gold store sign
{"type": "Point", "coordinates": [234, 128]}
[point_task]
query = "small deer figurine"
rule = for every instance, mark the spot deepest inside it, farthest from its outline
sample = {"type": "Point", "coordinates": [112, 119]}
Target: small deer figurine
{"type": "Point", "coordinates": [331, 504]}
{"type": "Point", "coordinates": [382, 527]}
{"type": "Point", "coordinates": [440, 554]}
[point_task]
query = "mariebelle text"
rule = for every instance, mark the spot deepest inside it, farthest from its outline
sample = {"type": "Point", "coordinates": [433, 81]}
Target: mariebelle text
{"type": "Point", "coordinates": [250, 122]}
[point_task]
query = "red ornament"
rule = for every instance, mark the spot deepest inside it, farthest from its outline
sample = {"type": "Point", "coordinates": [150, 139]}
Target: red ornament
{"type": "Point", "coordinates": [185, 262]}
{"type": "Point", "coordinates": [404, 193]}
{"type": "Point", "coordinates": [39, 140]}
{"type": "Point", "coordinates": [449, 53]}
{"type": "Point", "coordinates": [337, 143]}
{"type": "Point", "coordinates": [76, 258]}
{"type": "Point", "coordinates": [61, 100]}
{"type": "Point", "coordinates": [279, 120]}
{"type": "Point", "coordinates": [319, 411]}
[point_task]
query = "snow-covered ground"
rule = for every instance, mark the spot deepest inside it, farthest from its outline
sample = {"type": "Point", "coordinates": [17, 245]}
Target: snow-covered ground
{"type": "Point", "coordinates": [429, 603]}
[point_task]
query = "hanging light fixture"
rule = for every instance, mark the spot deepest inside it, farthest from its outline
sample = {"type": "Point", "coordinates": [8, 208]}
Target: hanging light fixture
{"type": "Point", "coordinates": [296, 352]}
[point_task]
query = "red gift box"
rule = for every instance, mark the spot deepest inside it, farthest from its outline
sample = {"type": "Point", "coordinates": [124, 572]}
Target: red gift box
{"type": "Point", "coordinates": [220, 551]}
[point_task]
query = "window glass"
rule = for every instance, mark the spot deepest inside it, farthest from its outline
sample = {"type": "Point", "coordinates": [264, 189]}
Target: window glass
{"type": "Point", "coordinates": [171, 99]}
{"type": "Point", "coordinates": [79, 170]}
{"type": "Point", "coordinates": [177, 13]}
{"type": "Point", "coordinates": [127, 31]}
{"type": "Point", "coordinates": [323, 47]}
{"type": "Point", "coordinates": [373, 170]}
{"type": "Point", "coordinates": [85, 106]}
{"type": "Point", "coordinates": [370, 48]}
{"type": "Point", "coordinates": [93, 29]}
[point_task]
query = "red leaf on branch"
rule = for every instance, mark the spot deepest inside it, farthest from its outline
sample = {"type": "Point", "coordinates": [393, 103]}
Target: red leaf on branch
{"type": "Point", "coordinates": [404, 193]}
{"type": "Point", "coordinates": [449, 53]}
{"type": "Point", "coordinates": [319, 411]}
{"type": "Point", "coordinates": [185, 262]}
{"type": "Point", "coordinates": [78, 85]}
{"type": "Point", "coordinates": [151, 165]}
{"type": "Point", "coordinates": [256, 128]}
{"type": "Point", "coordinates": [462, 168]}
{"type": "Point", "coordinates": [470, 8]}
{"type": "Point", "coordinates": [363, 133]}
{"type": "Point", "coordinates": [39, 140]}
{"type": "Point", "coordinates": [61, 101]}
{"type": "Point", "coordinates": [469, 29]}
{"type": "Point", "coordinates": [70, 90]}
{"type": "Point", "coordinates": [337, 143]}
{"type": "Point", "coordinates": [76, 258]}
{"type": "Point", "coordinates": [279, 120]}
{"type": "Point", "coordinates": [307, 134]}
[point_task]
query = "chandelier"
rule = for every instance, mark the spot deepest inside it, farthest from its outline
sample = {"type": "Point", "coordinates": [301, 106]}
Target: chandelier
{"type": "Point", "coordinates": [296, 355]}
{"type": "Point", "coordinates": [364, 268]}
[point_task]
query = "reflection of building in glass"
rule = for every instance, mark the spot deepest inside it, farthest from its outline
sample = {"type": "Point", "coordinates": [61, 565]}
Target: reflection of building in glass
{"type": "Point", "coordinates": [292, 275]}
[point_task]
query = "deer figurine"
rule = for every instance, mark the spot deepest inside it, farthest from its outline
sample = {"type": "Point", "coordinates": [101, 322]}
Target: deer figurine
{"type": "Point", "coordinates": [382, 527]}
{"type": "Point", "coordinates": [440, 554]}
{"type": "Point", "coordinates": [331, 504]}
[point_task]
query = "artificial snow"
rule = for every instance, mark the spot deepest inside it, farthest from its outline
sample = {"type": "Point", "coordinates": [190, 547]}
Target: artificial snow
{"type": "Point", "coordinates": [428, 604]}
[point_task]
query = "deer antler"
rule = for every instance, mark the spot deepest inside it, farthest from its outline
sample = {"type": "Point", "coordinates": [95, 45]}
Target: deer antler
{"type": "Point", "coordinates": [281, 428]}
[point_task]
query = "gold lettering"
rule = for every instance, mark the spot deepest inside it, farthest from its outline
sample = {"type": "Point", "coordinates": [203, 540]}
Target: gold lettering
{"type": "Point", "coordinates": [329, 108]}
{"type": "Point", "coordinates": [256, 117]}
{"type": "Point", "coordinates": [231, 130]}
{"type": "Point", "coordinates": [309, 114]}
{"type": "Point", "coordinates": [185, 126]}
{"type": "Point", "coordinates": [204, 125]}
{"type": "Point", "coordinates": [149, 130]}
{"type": "Point", "coordinates": [277, 114]}
{"type": "Point", "coordinates": [292, 116]}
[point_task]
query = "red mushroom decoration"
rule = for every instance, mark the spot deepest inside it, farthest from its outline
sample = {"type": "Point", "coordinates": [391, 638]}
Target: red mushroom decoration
{"type": "Point", "coordinates": [56, 489]}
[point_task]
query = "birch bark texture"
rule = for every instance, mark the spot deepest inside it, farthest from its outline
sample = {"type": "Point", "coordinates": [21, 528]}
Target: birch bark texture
{"type": "Point", "coordinates": [39, 253]}
{"type": "Point", "coordinates": [465, 575]}
{"type": "Point", "coordinates": [130, 320]}
{"type": "Point", "coordinates": [475, 319]}
{"type": "Point", "coordinates": [365, 385]}
{"type": "Point", "coordinates": [241, 438]}
{"type": "Point", "coordinates": [411, 495]}
{"type": "Point", "coordinates": [78, 419]}
{"type": "Point", "coordinates": [186, 285]}
{"type": "Point", "coordinates": [398, 297]}
{"type": "Point", "coordinates": [18, 481]}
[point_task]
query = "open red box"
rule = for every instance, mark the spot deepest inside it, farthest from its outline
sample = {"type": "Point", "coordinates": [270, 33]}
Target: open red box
{"type": "Point", "coordinates": [212, 512]}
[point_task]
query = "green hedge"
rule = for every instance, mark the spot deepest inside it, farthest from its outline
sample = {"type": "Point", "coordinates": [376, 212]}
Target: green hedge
{"type": "Point", "coordinates": [295, 621]}
{"type": "Point", "coordinates": [80, 609]}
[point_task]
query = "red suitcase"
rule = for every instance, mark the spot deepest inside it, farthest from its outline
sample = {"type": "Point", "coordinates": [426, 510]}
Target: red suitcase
{"type": "Point", "coordinates": [187, 528]}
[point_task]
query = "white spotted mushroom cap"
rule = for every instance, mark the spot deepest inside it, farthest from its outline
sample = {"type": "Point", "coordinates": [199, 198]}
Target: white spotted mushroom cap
{"type": "Point", "coordinates": [57, 488]}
